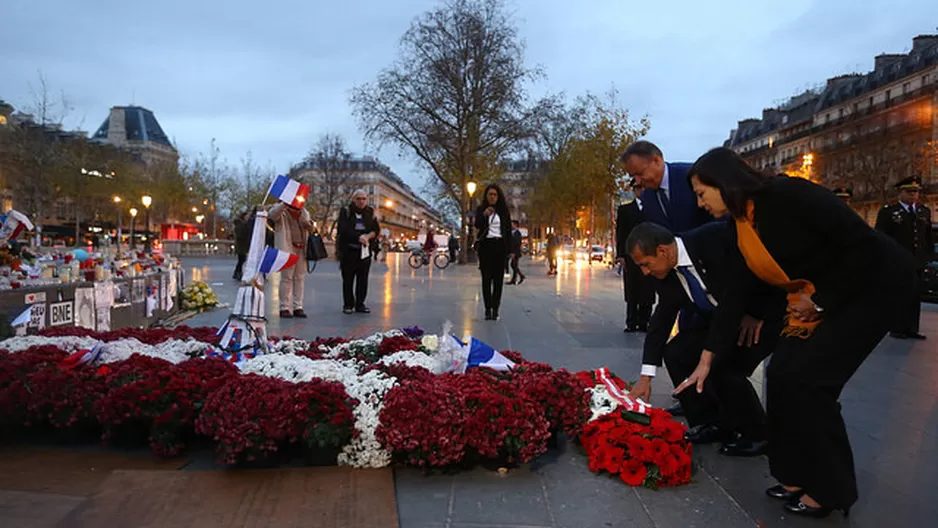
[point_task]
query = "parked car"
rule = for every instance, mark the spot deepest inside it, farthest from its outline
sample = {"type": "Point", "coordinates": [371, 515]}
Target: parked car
{"type": "Point", "coordinates": [598, 253]}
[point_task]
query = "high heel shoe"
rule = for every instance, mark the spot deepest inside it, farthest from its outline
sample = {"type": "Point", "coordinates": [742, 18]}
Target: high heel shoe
{"type": "Point", "coordinates": [797, 507]}
{"type": "Point", "coordinates": [779, 492]}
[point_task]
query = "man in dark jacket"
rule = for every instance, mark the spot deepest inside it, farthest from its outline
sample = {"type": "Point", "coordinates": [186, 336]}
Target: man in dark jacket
{"type": "Point", "coordinates": [514, 253]}
{"type": "Point", "coordinates": [639, 289]}
{"type": "Point", "coordinates": [909, 223]}
{"type": "Point", "coordinates": [702, 271]}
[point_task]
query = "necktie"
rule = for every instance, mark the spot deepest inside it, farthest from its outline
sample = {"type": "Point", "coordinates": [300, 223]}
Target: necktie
{"type": "Point", "coordinates": [697, 293]}
{"type": "Point", "coordinates": [663, 201]}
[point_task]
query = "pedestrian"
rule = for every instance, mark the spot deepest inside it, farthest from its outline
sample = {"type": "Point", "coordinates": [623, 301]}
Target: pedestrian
{"type": "Point", "coordinates": [453, 247]}
{"type": "Point", "coordinates": [553, 246]}
{"type": "Point", "coordinates": [908, 222]}
{"type": "Point", "coordinates": [639, 289]}
{"type": "Point", "coordinates": [493, 222]}
{"type": "Point", "coordinates": [243, 229]}
{"type": "Point", "coordinates": [843, 281]}
{"type": "Point", "coordinates": [515, 253]}
{"type": "Point", "coordinates": [292, 226]}
{"type": "Point", "coordinates": [357, 227]}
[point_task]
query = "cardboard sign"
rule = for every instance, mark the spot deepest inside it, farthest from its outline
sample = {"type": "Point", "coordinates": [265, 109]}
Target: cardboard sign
{"type": "Point", "coordinates": [38, 316]}
{"type": "Point", "coordinates": [35, 297]}
{"type": "Point", "coordinates": [61, 313]}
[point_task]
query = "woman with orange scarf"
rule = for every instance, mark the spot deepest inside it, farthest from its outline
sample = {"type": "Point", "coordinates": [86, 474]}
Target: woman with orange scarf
{"type": "Point", "coordinates": [843, 281]}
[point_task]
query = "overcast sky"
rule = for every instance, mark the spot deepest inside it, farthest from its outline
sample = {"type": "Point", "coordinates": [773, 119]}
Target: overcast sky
{"type": "Point", "coordinates": [270, 77]}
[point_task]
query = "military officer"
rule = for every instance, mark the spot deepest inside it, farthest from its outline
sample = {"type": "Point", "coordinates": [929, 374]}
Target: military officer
{"type": "Point", "coordinates": [909, 223]}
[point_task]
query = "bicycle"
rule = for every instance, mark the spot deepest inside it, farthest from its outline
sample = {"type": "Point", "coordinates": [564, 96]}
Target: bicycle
{"type": "Point", "coordinates": [419, 257]}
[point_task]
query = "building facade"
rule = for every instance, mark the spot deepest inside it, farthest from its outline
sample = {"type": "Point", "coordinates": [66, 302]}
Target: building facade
{"type": "Point", "coordinates": [403, 213]}
{"type": "Point", "coordinates": [135, 129]}
{"type": "Point", "coordinates": [863, 131]}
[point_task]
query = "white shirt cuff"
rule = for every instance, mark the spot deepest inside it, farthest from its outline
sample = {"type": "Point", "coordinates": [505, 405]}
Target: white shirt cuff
{"type": "Point", "coordinates": [649, 370]}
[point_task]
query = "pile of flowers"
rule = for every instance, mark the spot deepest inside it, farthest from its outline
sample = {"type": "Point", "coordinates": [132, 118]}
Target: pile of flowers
{"type": "Point", "coordinates": [198, 296]}
{"type": "Point", "coordinates": [392, 397]}
{"type": "Point", "coordinates": [644, 448]}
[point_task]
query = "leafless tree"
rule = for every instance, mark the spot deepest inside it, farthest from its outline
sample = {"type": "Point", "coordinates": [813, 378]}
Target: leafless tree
{"type": "Point", "coordinates": [332, 179]}
{"type": "Point", "coordinates": [455, 98]}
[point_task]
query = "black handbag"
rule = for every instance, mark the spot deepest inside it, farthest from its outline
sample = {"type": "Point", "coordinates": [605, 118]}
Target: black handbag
{"type": "Point", "coordinates": [315, 251]}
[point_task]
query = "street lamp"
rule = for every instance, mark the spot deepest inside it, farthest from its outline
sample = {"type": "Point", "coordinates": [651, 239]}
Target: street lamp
{"type": "Point", "coordinates": [117, 201]}
{"type": "Point", "coordinates": [199, 219]}
{"type": "Point", "coordinates": [470, 189]}
{"type": "Point", "coordinates": [147, 200]}
{"type": "Point", "coordinates": [133, 217]}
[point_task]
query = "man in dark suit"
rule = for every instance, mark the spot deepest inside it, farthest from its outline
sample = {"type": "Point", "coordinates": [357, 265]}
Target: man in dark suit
{"type": "Point", "coordinates": [639, 290]}
{"type": "Point", "coordinates": [667, 195]}
{"type": "Point", "coordinates": [702, 271]}
{"type": "Point", "coordinates": [514, 254]}
{"type": "Point", "coordinates": [909, 223]}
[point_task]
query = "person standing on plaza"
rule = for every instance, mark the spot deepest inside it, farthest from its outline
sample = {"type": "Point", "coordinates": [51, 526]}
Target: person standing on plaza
{"type": "Point", "coordinates": [493, 222]}
{"type": "Point", "coordinates": [357, 226]}
{"type": "Point", "coordinates": [292, 226]}
{"type": "Point", "coordinates": [515, 253]}
{"type": "Point", "coordinates": [243, 227]}
{"type": "Point", "coordinates": [553, 245]}
{"type": "Point", "coordinates": [908, 222]}
{"type": "Point", "coordinates": [453, 247]}
{"type": "Point", "coordinates": [639, 289]}
{"type": "Point", "coordinates": [843, 280]}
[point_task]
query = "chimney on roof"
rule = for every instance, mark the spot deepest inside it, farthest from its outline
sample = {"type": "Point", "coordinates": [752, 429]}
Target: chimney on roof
{"type": "Point", "coordinates": [884, 60]}
{"type": "Point", "coordinates": [923, 41]}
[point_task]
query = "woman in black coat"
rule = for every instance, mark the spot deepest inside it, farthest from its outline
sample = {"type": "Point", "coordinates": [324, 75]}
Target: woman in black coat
{"type": "Point", "coordinates": [493, 223]}
{"type": "Point", "coordinates": [843, 280]}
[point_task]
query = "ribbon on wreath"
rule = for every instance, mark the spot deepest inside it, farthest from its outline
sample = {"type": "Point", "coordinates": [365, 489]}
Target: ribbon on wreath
{"type": "Point", "coordinates": [627, 403]}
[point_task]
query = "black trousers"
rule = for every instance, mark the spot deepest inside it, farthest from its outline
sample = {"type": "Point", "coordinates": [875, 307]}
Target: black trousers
{"type": "Point", "coordinates": [639, 295]}
{"type": "Point", "coordinates": [808, 442]}
{"type": "Point", "coordinates": [552, 261]}
{"type": "Point", "coordinates": [354, 278]}
{"type": "Point", "coordinates": [729, 399]}
{"type": "Point", "coordinates": [239, 267]}
{"type": "Point", "coordinates": [910, 311]}
{"type": "Point", "coordinates": [492, 258]}
{"type": "Point", "coordinates": [515, 270]}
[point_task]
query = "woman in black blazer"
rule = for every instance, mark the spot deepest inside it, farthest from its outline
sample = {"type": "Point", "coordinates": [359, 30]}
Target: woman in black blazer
{"type": "Point", "coordinates": [493, 223]}
{"type": "Point", "coordinates": [844, 281]}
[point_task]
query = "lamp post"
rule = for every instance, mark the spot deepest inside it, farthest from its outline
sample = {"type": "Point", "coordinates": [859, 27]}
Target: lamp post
{"type": "Point", "coordinates": [199, 219]}
{"type": "Point", "coordinates": [117, 203]}
{"type": "Point", "coordinates": [470, 190]}
{"type": "Point", "coordinates": [133, 217]}
{"type": "Point", "coordinates": [147, 200]}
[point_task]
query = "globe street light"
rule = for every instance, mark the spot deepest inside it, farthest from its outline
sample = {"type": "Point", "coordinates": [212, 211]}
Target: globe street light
{"type": "Point", "coordinates": [133, 216]}
{"type": "Point", "coordinates": [147, 200]}
{"type": "Point", "coordinates": [470, 189]}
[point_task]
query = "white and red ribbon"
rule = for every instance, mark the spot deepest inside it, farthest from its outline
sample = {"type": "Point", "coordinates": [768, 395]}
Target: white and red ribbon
{"type": "Point", "coordinates": [623, 398]}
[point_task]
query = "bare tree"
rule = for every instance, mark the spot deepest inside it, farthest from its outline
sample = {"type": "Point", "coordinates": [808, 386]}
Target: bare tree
{"type": "Point", "coordinates": [455, 98]}
{"type": "Point", "coordinates": [332, 178]}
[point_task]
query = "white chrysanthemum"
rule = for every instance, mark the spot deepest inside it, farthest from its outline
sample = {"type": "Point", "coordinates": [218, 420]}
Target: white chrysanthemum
{"type": "Point", "coordinates": [601, 402]}
{"type": "Point", "coordinates": [64, 343]}
{"type": "Point", "coordinates": [430, 341]}
{"type": "Point", "coordinates": [411, 358]}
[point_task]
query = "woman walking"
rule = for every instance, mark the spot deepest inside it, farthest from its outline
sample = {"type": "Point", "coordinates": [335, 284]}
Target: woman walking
{"type": "Point", "coordinates": [357, 226]}
{"type": "Point", "coordinates": [493, 222]}
{"type": "Point", "coordinates": [844, 281]}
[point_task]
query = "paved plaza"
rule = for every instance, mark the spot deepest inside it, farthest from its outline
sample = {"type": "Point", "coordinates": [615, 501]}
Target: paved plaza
{"type": "Point", "coordinates": [574, 320]}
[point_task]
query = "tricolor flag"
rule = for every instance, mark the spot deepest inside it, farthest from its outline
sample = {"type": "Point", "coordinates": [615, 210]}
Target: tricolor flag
{"type": "Point", "coordinates": [13, 224]}
{"type": "Point", "coordinates": [275, 260]}
{"type": "Point", "coordinates": [482, 355]}
{"type": "Point", "coordinates": [289, 191]}
{"type": "Point", "coordinates": [82, 357]}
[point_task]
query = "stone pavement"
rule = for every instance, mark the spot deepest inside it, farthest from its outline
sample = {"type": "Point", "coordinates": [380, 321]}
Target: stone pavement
{"type": "Point", "coordinates": [574, 320]}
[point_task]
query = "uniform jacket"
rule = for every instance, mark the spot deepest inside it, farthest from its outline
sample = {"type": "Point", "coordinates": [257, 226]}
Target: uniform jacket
{"type": "Point", "coordinates": [912, 231]}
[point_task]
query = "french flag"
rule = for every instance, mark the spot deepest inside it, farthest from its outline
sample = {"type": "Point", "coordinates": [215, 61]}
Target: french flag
{"type": "Point", "coordinates": [482, 355]}
{"type": "Point", "coordinates": [289, 191]}
{"type": "Point", "coordinates": [275, 260]}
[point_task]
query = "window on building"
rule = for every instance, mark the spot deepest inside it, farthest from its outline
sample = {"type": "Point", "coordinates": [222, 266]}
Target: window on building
{"type": "Point", "coordinates": [841, 112]}
{"type": "Point", "coordinates": [905, 87]}
{"type": "Point", "coordinates": [827, 117]}
{"type": "Point", "coordinates": [856, 107]}
{"type": "Point", "coordinates": [871, 100]}
{"type": "Point", "coordinates": [925, 79]}
{"type": "Point", "coordinates": [887, 94]}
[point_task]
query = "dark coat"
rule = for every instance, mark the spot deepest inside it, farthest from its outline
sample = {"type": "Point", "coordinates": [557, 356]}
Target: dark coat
{"type": "Point", "coordinates": [482, 224]}
{"type": "Point", "coordinates": [639, 289]}
{"type": "Point", "coordinates": [683, 213]}
{"type": "Point", "coordinates": [516, 242]}
{"type": "Point", "coordinates": [345, 227]}
{"type": "Point", "coordinates": [912, 231]}
{"type": "Point", "coordinates": [814, 235]}
{"type": "Point", "coordinates": [243, 228]}
{"type": "Point", "coordinates": [713, 251]}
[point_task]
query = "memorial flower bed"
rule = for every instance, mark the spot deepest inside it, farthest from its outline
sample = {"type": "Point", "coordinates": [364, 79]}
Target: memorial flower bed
{"type": "Point", "coordinates": [393, 397]}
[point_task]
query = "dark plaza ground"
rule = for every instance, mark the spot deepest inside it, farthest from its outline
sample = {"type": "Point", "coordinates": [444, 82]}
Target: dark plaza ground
{"type": "Point", "coordinates": [574, 320]}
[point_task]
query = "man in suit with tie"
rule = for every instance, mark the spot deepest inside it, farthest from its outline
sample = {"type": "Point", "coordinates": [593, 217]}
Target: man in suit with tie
{"type": "Point", "coordinates": [639, 291]}
{"type": "Point", "coordinates": [702, 271]}
{"type": "Point", "coordinates": [667, 196]}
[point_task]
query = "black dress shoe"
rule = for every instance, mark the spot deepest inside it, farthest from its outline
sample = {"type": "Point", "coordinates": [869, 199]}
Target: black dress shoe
{"type": "Point", "coordinates": [495, 314]}
{"type": "Point", "coordinates": [521, 279]}
{"type": "Point", "coordinates": [675, 410]}
{"type": "Point", "coordinates": [488, 314]}
{"type": "Point", "coordinates": [743, 447]}
{"type": "Point", "coordinates": [779, 492]}
{"type": "Point", "coordinates": [797, 507]}
{"type": "Point", "coordinates": [286, 314]}
{"type": "Point", "coordinates": [706, 434]}
{"type": "Point", "coordinates": [916, 335]}
{"type": "Point", "coordinates": [299, 313]}
{"type": "Point", "coordinates": [363, 309]}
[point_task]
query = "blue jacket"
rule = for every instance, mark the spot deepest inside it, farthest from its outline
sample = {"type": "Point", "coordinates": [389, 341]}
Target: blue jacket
{"type": "Point", "coordinates": [683, 213]}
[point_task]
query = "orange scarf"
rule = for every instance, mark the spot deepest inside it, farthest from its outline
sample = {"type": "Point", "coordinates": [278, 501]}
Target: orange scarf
{"type": "Point", "coordinates": [761, 263]}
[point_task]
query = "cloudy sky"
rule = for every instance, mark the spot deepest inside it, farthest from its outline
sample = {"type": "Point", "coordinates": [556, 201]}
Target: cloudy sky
{"type": "Point", "coordinates": [270, 77]}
